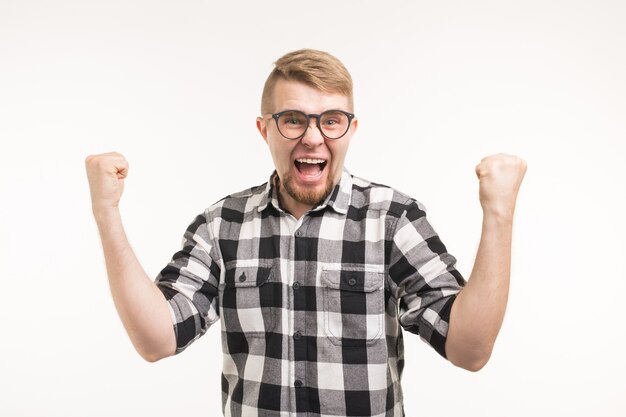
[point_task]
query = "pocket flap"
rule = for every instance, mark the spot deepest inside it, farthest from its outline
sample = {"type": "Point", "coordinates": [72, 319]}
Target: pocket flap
{"type": "Point", "coordinates": [248, 276]}
{"type": "Point", "coordinates": [357, 280]}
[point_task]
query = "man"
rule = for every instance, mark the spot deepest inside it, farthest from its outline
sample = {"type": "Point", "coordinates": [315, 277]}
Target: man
{"type": "Point", "coordinates": [315, 273]}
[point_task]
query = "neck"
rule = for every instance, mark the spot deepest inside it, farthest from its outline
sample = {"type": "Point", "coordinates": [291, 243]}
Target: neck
{"type": "Point", "coordinates": [294, 207]}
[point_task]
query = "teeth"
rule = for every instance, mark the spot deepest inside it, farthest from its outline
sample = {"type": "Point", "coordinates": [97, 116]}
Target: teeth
{"type": "Point", "coordinates": [310, 161]}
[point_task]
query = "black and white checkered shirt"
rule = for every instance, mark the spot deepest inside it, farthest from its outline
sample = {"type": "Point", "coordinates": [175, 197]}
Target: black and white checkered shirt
{"type": "Point", "coordinates": [312, 310]}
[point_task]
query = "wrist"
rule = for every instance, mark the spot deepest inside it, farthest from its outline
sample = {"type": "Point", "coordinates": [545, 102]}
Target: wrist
{"type": "Point", "coordinates": [105, 214]}
{"type": "Point", "coordinates": [498, 210]}
{"type": "Point", "coordinates": [499, 216]}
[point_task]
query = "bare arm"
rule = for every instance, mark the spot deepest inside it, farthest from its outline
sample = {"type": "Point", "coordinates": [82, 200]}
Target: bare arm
{"type": "Point", "coordinates": [140, 304]}
{"type": "Point", "coordinates": [478, 310]}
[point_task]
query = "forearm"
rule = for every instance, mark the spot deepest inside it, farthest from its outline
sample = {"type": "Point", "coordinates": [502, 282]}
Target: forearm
{"type": "Point", "coordinates": [478, 310]}
{"type": "Point", "coordinates": [139, 303]}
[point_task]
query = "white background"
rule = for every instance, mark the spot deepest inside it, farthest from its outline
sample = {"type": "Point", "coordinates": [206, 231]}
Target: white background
{"type": "Point", "coordinates": [175, 87]}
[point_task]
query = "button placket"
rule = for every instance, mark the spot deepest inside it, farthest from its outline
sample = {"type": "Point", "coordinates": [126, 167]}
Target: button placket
{"type": "Point", "coordinates": [297, 280]}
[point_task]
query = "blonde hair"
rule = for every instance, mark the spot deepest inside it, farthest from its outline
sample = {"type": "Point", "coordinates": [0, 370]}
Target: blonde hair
{"type": "Point", "coordinates": [315, 68]}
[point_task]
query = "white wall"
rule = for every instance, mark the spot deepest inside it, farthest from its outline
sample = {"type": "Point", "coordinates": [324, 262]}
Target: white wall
{"type": "Point", "coordinates": [175, 87]}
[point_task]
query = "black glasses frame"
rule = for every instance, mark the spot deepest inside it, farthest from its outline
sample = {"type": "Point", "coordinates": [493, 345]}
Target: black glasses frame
{"type": "Point", "coordinates": [318, 117]}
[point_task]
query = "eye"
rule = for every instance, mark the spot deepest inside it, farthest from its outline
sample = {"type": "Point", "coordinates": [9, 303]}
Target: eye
{"type": "Point", "coordinates": [292, 119]}
{"type": "Point", "coordinates": [334, 119]}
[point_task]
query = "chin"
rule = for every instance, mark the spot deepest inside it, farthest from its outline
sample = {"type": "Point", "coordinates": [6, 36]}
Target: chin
{"type": "Point", "coordinates": [311, 196]}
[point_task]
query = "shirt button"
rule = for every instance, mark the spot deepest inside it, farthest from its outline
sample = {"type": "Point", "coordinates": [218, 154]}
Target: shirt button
{"type": "Point", "coordinates": [296, 285]}
{"type": "Point", "coordinates": [298, 233]}
{"type": "Point", "coordinates": [297, 335]}
{"type": "Point", "coordinates": [352, 281]}
{"type": "Point", "coordinates": [297, 383]}
{"type": "Point", "coordinates": [242, 277]}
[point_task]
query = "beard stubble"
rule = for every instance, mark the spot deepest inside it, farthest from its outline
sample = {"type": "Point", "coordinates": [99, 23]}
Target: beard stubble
{"type": "Point", "coordinates": [309, 197]}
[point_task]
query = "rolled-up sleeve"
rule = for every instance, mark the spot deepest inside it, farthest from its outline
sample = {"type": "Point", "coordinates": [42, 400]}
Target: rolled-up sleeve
{"type": "Point", "coordinates": [190, 284]}
{"type": "Point", "coordinates": [423, 277]}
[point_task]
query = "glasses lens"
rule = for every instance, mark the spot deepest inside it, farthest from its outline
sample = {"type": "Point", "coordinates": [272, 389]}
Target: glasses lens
{"type": "Point", "coordinates": [334, 124]}
{"type": "Point", "coordinates": [292, 124]}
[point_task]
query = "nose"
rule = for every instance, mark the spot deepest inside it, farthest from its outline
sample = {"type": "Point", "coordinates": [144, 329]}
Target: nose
{"type": "Point", "coordinates": [312, 137]}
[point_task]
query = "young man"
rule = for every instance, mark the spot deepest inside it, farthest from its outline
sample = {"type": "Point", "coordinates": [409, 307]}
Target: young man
{"type": "Point", "coordinates": [315, 273]}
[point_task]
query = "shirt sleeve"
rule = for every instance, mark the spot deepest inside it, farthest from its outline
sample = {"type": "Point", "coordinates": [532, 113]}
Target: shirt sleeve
{"type": "Point", "coordinates": [423, 277]}
{"type": "Point", "coordinates": [190, 284]}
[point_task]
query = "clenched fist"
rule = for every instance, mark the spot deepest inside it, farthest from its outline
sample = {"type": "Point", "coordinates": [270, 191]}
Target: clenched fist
{"type": "Point", "coordinates": [500, 177]}
{"type": "Point", "coordinates": [106, 173]}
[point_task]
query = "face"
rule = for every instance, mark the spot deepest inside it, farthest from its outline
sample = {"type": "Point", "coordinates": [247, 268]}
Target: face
{"type": "Point", "coordinates": [310, 167]}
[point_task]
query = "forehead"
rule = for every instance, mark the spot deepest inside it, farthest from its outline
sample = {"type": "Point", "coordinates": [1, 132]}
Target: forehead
{"type": "Point", "coordinates": [294, 95]}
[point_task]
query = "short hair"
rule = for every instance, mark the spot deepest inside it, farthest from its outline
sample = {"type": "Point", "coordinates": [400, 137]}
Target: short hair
{"type": "Point", "coordinates": [314, 68]}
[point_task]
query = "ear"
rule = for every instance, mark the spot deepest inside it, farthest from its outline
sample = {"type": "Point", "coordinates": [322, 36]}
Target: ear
{"type": "Point", "coordinates": [355, 124]}
{"type": "Point", "coordinates": [262, 127]}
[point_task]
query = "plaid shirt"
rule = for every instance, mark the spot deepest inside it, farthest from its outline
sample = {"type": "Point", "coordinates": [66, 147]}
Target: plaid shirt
{"type": "Point", "coordinates": [312, 310]}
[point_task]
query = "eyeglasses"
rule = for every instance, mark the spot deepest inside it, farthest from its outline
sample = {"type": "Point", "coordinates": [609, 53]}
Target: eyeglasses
{"type": "Point", "coordinates": [293, 124]}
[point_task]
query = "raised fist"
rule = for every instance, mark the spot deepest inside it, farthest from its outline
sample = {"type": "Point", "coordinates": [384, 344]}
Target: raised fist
{"type": "Point", "coordinates": [500, 177]}
{"type": "Point", "coordinates": [106, 173]}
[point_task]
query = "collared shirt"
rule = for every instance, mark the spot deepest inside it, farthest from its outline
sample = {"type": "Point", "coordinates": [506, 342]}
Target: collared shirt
{"type": "Point", "coordinates": [312, 309]}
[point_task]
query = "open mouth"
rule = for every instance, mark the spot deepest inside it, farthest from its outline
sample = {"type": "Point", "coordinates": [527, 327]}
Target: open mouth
{"type": "Point", "coordinates": [310, 167]}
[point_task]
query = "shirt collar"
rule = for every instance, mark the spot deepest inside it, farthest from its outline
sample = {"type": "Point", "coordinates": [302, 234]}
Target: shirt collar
{"type": "Point", "coordinates": [270, 195]}
{"type": "Point", "coordinates": [338, 199]}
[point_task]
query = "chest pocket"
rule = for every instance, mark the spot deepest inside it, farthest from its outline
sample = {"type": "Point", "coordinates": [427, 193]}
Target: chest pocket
{"type": "Point", "coordinates": [248, 300]}
{"type": "Point", "coordinates": [353, 306]}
